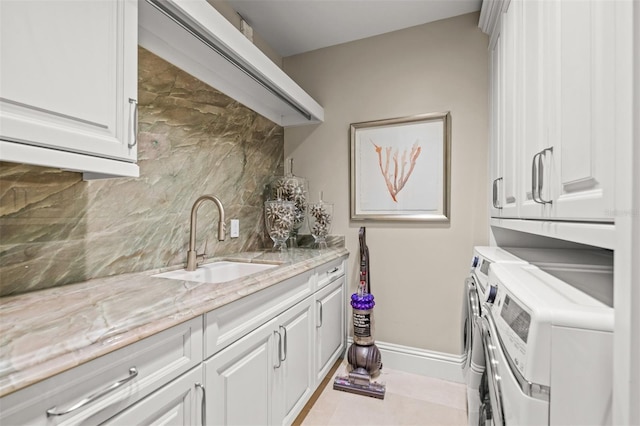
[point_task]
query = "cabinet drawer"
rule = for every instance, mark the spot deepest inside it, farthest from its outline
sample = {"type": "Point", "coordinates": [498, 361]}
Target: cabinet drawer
{"type": "Point", "coordinates": [157, 359]}
{"type": "Point", "coordinates": [328, 273]}
{"type": "Point", "coordinates": [229, 323]}
{"type": "Point", "coordinates": [177, 403]}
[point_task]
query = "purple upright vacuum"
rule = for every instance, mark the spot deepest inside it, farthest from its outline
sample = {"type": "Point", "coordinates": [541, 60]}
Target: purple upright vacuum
{"type": "Point", "coordinates": [363, 355]}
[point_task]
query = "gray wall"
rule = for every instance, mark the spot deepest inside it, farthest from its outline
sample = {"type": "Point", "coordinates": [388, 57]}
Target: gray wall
{"type": "Point", "coordinates": [57, 229]}
{"type": "Point", "coordinates": [417, 270]}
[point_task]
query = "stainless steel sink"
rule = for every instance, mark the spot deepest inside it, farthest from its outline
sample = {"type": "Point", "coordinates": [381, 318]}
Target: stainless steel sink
{"type": "Point", "coordinates": [217, 272]}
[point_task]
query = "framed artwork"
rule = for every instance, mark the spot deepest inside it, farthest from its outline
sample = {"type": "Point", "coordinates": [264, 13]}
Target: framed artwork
{"type": "Point", "coordinates": [400, 168]}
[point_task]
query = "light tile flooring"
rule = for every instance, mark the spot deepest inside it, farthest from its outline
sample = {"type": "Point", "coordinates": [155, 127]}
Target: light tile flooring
{"type": "Point", "coordinates": [409, 400]}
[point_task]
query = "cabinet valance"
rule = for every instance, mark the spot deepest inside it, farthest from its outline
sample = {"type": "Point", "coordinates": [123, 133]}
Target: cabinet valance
{"type": "Point", "coordinates": [195, 37]}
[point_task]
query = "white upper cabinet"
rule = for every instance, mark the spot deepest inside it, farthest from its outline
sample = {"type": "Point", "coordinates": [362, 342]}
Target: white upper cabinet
{"type": "Point", "coordinates": [195, 37]}
{"type": "Point", "coordinates": [510, 98]}
{"type": "Point", "coordinates": [533, 130]}
{"type": "Point", "coordinates": [68, 85]}
{"type": "Point", "coordinates": [583, 107]}
{"type": "Point", "coordinates": [554, 101]}
{"type": "Point", "coordinates": [504, 96]}
{"type": "Point", "coordinates": [495, 147]}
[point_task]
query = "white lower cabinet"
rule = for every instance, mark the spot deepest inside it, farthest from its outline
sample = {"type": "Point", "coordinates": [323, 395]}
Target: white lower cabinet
{"type": "Point", "coordinates": [178, 403]}
{"type": "Point", "coordinates": [99, 389]}
{"type": "Point", "coordinates": [264, 356]}
{"type": "Point", "coordinates": [265, 377]}
{"type": "Point", "coordinates": [239, 380]}
{"type": "Point", "coordinates": [330, 327]}
{"type": "Point", "coordinates": [294, 382]}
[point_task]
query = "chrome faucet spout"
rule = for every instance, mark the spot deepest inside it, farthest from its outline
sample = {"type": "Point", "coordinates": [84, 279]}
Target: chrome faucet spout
{"type": "Point", "coordinates": [192, 255]}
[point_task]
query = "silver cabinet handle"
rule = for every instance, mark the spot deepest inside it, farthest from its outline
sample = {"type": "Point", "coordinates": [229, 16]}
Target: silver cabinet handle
{"type": "Point", "coordinates": [496, 204]}
{"type": "Point", "coordinates": [203, 407]}
{"type": "Point", "coordinates": [55, 411]}
{"type": "Point", "coordinates": [543, 155]}
{"type": "Point", "coordinates": [535, 188]}
{"type": "Point", "coordinates": [537, 176]}
{"type": "Point", "coordinates": [336, 269]}
{"type": "Point", "coordinates": [133, 123]}
{"type": "Point", "coordinates": [319, 302]}
{"type": "Point", "coordinates": [279, 349]}
{"type": "Point", "coordinates": [284, 329]}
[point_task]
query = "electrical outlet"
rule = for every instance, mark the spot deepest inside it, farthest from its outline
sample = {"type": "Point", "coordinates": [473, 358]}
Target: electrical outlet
{"type": "Point", "coordinates": [235, 228]}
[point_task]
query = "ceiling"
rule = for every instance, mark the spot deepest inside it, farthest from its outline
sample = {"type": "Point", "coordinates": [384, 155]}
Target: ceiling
{"type": "Point", "coordinates": [297, 26]}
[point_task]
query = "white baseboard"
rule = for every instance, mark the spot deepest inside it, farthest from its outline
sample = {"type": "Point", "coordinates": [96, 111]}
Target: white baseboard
{"type": "Point", "coordinates": [420, 361]}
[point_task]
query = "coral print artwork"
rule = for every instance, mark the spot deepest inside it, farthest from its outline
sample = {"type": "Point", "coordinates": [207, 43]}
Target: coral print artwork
{"type": "Point", "coordinates": [396, 172]}
{"type": "Point", "coordinates": [400, 168]}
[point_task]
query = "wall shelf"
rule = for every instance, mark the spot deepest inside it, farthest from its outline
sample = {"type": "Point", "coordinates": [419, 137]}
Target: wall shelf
{"type": "Point", "coordinates": [594, 234]}
{"type": "Point", "coordinates": [195, 37]}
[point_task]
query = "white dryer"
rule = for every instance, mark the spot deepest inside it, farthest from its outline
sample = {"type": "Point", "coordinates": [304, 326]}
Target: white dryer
{"type": "Point", "coordinates": [548, 343]}
{"type": "Point", "coordinates": [473, 297]}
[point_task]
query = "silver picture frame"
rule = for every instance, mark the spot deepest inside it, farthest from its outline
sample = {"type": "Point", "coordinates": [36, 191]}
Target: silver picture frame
{"type": "Point", "coordinates": [400, 168]}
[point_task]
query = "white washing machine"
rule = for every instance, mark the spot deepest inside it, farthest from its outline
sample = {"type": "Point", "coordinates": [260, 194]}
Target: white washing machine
{"type": "Point", "coordinates": [473, 297]}
{"type": "Point", "coordinates": [548, 344]}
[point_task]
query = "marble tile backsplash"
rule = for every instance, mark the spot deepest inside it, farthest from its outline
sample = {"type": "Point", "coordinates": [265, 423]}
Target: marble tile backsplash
{"type": "Point", "coordinates": [57, 229]}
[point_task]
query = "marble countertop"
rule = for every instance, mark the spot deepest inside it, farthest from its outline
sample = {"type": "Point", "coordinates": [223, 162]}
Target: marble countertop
{"type": "Point", "coordinates": [46, 332]}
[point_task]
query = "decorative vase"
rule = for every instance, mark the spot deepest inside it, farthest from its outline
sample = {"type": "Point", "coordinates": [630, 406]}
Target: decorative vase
{"type": "Point", "coordinates": [320, 218]}
{"type": "Point", "coordinates": [295, 189]}
{"type": "Point", "coordinates": [278, 219]}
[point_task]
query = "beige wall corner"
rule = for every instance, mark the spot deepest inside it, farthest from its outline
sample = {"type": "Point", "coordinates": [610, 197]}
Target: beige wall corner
{"type": "Point", "coordinates": [417, 269]}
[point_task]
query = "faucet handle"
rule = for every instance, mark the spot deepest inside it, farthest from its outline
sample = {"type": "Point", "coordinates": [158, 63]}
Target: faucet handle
{"type": "Point", "coordinates": [203, 255]}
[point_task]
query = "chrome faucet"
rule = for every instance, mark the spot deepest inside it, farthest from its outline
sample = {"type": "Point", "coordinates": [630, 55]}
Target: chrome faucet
{"type": "Point", "coordinates": [192, 255]}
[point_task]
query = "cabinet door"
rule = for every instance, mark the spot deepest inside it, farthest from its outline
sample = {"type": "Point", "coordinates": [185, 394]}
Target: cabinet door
{"type": "Point", "coordinates": [504, 126]}
{"type": "Point", "coordinates": [330, 327]}
{"type": "Point", "coordinates": [495, 146]}
{"type": "Point", "coordinates": [581, 166]}
{"type": "Point", "coordinates": [294, 377]}
{"type": "Point", "coordinates": [239, 379]}
{"type": "Point", "coordinates": [68, 75]}
{"type": "Point", "coordinates": [534, 131]}
{"type": "Point", "coordinates": [177, 403]}
{"type": "Point", "coordinates": [510, 99]}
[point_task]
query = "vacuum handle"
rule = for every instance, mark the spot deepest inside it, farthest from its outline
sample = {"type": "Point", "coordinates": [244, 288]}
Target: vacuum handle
{"type": "Point", "coordinates": [364, 259]}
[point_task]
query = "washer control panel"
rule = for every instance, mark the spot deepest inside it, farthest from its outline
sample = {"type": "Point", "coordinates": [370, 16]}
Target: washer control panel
{"type": "Point", "coordinates": [513, 322]}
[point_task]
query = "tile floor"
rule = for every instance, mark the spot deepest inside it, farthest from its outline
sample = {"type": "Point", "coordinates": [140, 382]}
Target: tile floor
{"type": "Point", "coordinates": [409, 400]}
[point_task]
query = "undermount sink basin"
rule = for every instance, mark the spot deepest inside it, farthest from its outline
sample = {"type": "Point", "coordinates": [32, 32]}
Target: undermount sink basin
{"type": "Point", "coordinates": [217, 272]}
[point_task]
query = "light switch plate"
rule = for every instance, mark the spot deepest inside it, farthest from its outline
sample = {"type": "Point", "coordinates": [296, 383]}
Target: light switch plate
{"type": "Point", "coordinates": [235, 228]}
